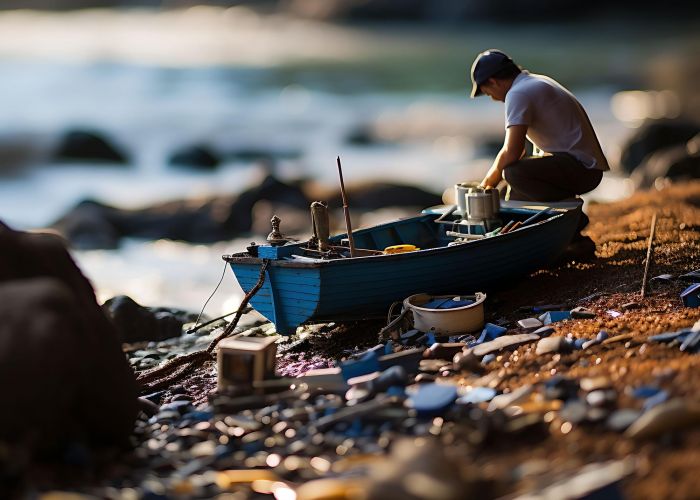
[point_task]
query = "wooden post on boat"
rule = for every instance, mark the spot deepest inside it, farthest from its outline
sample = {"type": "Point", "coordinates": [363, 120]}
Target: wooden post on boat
{"type": "Point", "coordinates": [346, 210]}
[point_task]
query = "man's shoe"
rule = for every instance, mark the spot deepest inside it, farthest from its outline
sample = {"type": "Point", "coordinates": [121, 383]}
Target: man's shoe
{"type": "Point", "coordinates": [581, 249]}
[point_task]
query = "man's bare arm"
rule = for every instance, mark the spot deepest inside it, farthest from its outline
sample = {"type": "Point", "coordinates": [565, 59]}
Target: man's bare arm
{"type": "Point", "coordinates": [512, 150]}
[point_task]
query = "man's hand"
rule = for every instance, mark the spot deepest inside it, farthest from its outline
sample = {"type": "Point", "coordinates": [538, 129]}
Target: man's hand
{"type": "Point", "coordinates": [493, 177]}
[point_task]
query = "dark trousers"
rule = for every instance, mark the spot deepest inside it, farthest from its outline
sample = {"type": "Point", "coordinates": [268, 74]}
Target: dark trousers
{"type": "Point", "coordinates": [550, 178]}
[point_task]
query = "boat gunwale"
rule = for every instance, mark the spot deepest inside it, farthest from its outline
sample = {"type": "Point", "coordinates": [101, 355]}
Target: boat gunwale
{"type": "Point", "coordinates": [246, 258]}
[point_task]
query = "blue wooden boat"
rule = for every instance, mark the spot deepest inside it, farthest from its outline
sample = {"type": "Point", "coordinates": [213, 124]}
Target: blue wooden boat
{"type": "Point", "coordinates": [300, 287]}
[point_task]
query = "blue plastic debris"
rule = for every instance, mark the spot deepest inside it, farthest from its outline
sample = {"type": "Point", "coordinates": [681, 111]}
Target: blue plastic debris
{"type": "Point", "coordinates": [487, 359]}
{"type": "Point", "coordinates": [389, 347]}
{"type": "Point", "coordinates": [449, 303]}
{"type": "Point", "coordinates": [670, 336]}
{"type": "Point", "coordinates": [368, 363]}
{"type": "Point", "coordinates": [554, 316]}
{"type": "Point", "coordinates": [691, 342]}
{"type": "Point", "coordinates": [491, 332]}
{"type": "Point", "coordinates": [430, 339]}
{"type": "Point", "coordinates": [602, 335]}
{"type": "Point", "coordinates": [645, 391]}
{"type": "Point", "coordinates": [477, 395]}
{"type": "Point", "coordinates": [432, 399]}
{"type": "Point", "coordinates": [691, 295]}
{"type": "Point", "coordinates": [654, 400]}
{"type": "Point", "coordinates": [578, 343]}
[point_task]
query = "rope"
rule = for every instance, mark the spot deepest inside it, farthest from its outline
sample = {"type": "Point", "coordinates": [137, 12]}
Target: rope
{"type": "Point", "coordinates": [197, 326]}
{"type": "Point", "coordinates": [176, 369]}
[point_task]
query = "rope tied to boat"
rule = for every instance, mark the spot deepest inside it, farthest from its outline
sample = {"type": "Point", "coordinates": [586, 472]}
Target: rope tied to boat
{"type": "Point", "coordinates": [176, 369]}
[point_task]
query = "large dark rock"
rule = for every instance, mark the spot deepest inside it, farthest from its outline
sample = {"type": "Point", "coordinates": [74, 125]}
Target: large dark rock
{"type": "Point", "coordinates": [62, 370]}
{"type": "Point", "coordinates": [137, 323]}
{"type": "Point", "coordinates": [675, 163]}
{"type": "Point", "coordinates": [88, 146]}
{"type": "Point", "coordinates": [92, 225]}
{"type": "Point", "coordinates": [198, 156]}
{"type": "Point", "coordinates": [654, 136]}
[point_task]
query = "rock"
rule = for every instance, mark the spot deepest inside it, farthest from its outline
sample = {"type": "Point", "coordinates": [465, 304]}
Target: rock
{"type": "Point", "coordinates": [574, 411]}
{"type": "Point", "coordinates": [559, 387]}
{"type": "Point", "coordinates": [545, 331]}
{"type": "Point", "coordinates": [672, 415]}
{"type": "Point", "coordinates": [620, 420]}
{"type": "Point", "coordinates": [88, 146]}
{"type": "Point", "coordinates": [198, 221]}
{"type": "Point", "coordinates": [377, 195]}
{"type": "Point", "coordinates": [440, 350]}
{"type": "Point", "coordinates": [503, 342]}
{"type": "Point", "coordinates": [137, 323]}
{"type": "Point", "coordinates": [467, 361]}
{"type": "Point", "coordinates": [630, 305]}
{"type": "Point", "coordinates": [56, 342]}
{"type": "Point", "coordinates": [408, 359]}
{"type": "Point", "coordinates": [654, 136]}
{"type": "Point", "coordinates": [552, 345]}
{"type": "Point", "coordinates": [505, 400]}
{"type": "Point", "coordinates": [477, 395]}
{"type": "Point", "coordinates": [674, 162]}
{"type": "Point", "coordinates": [529, 323]}
{"type": "Point", "coordinates": [197, 156]}
{"type": "Point", "coordinates": [582, 313]}
{"type": "Point", "coordinates": [589, 384]}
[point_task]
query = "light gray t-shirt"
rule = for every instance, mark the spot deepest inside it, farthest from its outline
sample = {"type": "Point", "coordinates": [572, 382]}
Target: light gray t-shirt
{"type": "Point", "coordinates": [556, 122]}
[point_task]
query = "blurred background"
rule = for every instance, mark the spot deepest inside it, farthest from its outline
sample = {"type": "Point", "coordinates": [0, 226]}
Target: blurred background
{"type": "Point", "coordinates": [158, 135]}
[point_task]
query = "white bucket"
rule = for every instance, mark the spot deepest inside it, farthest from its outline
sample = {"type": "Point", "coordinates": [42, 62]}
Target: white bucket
{"type": "Point", "coordinates": [465, 319]}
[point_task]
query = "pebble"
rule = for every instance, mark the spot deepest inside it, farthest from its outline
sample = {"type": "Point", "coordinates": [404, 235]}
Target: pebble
{"type": "Point", "coordinates": [467, 361]}
{"type": "Point", "coordinates": [672, 415]}
{"type": "Point", "coordinates": [530, 323]}
{"type": "Point", "coordinates": [440, 350]}
{"type": "Point", "coordinates": [574, 411]}
{"type": "Point", "coordinates": [559, 387]}
{"type": "Point", "coordinates": [544, 331]}
{"type": "Point", "coordinates": [620, 420]}
{"type": "Point", "coordinates": [552, 345]}
{"type": "Point", "coordinates": [503, 342]}
{"type": "Point", "coordinates": [582, 313]}
{"type": "Point", "coordinates": [477, 395]}
{"type": "Point", "coordinates": [408, 359]}
{"type": "Point", "coordinates": [590, 384]}
{"type": "Point", "coordinates": [618, 338]}
{"type": "Point", "coordinates": [504, 400]}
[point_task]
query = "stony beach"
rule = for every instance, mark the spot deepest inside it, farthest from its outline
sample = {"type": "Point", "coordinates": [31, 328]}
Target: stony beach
{"type": "Point", "coordinates": [596, 404]}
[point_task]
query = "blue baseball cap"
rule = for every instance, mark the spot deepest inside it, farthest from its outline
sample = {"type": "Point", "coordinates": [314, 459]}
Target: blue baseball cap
{"type": "Point", "coordinates": [487, 64]}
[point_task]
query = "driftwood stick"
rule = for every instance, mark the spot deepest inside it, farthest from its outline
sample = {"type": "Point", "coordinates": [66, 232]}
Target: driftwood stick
{"type": "Point", "coordinates": [346, 210]}
{"type": "Point", "coordinates": [648, 259]}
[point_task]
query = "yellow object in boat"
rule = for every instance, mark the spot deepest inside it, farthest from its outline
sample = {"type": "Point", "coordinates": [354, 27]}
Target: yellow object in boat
{"type": "Point", "coordinates": [400, 249]}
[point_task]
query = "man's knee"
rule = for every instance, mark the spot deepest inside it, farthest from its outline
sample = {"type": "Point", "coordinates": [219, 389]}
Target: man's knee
{"type": "Point", "coordinates": [513, 174]}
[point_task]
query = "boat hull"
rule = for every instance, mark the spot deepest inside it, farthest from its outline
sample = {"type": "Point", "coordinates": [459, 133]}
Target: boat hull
{"type": "Point", "coordinates": [295, 293]}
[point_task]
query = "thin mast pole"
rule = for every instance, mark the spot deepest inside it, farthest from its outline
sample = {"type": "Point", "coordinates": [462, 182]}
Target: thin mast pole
{"type": "Point", "coordinates": [346, 211]}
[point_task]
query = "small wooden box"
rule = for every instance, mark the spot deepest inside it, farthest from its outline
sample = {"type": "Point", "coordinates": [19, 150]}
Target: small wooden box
{"type": "Point", "coordinates": [243, 360]}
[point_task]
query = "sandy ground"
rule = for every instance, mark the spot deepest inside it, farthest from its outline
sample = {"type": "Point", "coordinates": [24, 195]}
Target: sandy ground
{"type": "Point", "coordinates": [665, 467]}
